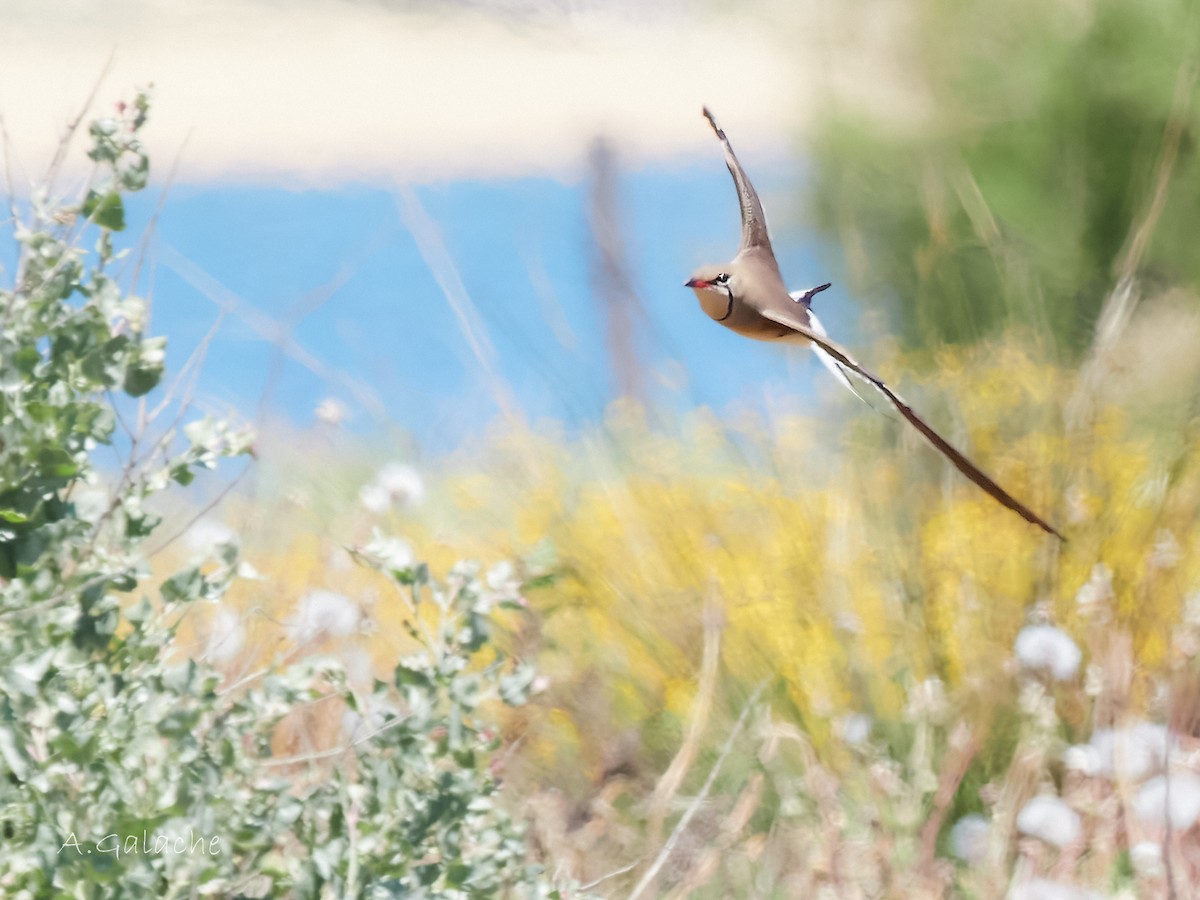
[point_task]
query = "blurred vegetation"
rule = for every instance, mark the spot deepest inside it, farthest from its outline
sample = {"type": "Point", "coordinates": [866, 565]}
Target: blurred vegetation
{"type": "Point", "coordinates": [869, 596]}
{"type": "Point", "coordinates": [1033, 224]}
{"type": "Point", "coordinates": [873, 587]}
{"type": "Point", "coordinates": [1043, 137]}
{"type": "Point", "coordinates": [136, 765]}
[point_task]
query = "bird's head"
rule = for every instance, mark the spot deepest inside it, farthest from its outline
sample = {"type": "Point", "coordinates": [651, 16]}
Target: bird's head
{"type": "Point", "coordinates": [714, 288]}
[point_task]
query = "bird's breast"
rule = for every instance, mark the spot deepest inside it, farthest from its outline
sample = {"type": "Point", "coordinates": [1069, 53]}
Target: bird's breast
{"type": "Point", "coordinates": [744, 319]}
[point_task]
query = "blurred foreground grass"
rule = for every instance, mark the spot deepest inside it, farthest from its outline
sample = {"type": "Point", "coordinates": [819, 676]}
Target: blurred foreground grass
{"type": "Point", "coordinates": [878, 593]}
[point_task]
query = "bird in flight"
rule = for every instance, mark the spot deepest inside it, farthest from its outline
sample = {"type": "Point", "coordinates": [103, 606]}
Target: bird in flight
{"type": "Point", "coordinates": [748, 296]}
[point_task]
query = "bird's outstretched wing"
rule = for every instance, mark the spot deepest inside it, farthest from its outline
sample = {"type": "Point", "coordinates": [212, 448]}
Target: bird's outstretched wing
{"type": "Point", "coordinates": [754, 222]}
{"type": "Point", "coordinates": [964, 465]}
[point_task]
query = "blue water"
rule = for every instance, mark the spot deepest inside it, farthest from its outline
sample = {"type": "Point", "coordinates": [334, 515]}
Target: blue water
{"type": "Point", "coordinates": [390, 347]}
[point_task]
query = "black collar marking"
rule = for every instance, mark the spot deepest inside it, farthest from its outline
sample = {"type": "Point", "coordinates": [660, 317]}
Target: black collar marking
{"type": "Point", "coordinates": [729, 308]}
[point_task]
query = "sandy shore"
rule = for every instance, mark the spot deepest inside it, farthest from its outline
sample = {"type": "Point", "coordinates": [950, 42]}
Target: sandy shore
{"type": "Point", "coordinates": [319, 92]}
{"type": "Point", "coordinates": [325, 92]}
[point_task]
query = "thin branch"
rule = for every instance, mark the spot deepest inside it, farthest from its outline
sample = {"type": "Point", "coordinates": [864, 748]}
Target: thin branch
{"type": "Point", "coordinates": [194, 362]}
{"type": "Point", "coordinates": [65, 143]}
{"type": "Point", "coordinates": [1177, 122]}
{"type": "Point", "coordinates": [336, 751]}
{"type": "Point", "coordinates": [1123, 299]}
{"type": "Point", "coordinates": [964, 746]}
{"type": "Point", "coordinates": [112, 404]}
{"type": "Point", "coordinates": [18, 276]}
{"type": "Point", "coordinates": [54, 600]}
{"type": "Point", "coordinates": [200, 514]}
{"type": "Point", "coordinates": [1166, 844]}
{"type": "Point", "coordinates": [669, 784]}
{"type": "Point", "coordinates": [8, 178]}
{"type": "Point", "coordinates": [267, 328]}
{"type": "Point", "coordinates": [152, 226]}
{"type": "Point", "coordinates": [433, 250]}
{"type": "Point", "coordinates": [621, 871]}
{"type": "Point", "coordinates": [253, 676]}
{"type": "Point", "coordinates": [308, 304]}
{"type": "Point", "coordinates": [699, 799]}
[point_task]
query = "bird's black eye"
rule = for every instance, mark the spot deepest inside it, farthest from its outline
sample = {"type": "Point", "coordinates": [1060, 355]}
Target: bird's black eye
{"type": "Point", "coordinates": [721, 279]}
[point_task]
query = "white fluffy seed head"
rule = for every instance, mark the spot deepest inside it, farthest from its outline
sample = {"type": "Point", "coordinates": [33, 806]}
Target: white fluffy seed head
{"type": "Point", "coordinates": [1083, 758]}
{"type": "Point", "coordinates": [226, 636]}
{"type": "Point", "coordinates": [1146, 858]}
{"type": "Point", "coordinates": [323, 614]}
{"type": "Point", "coordinates": [853, 728]}
{"type": "Point", "coordinates": [395, 485]}
{"type": "Point", "coordinates": [1180, 799]}
{"type": "Point", "coordinates": [331, 411]}
{"type": "Point", "coordinates": [204, 537]}
{"type": "Point", "coordinates": [402, 483]}
{"type": "Point", "coordinates": [968, 839]}
{"type": "Point", "coordinates": [1049, 819]}
{"type": "Point", "coordinates": [1133, 752]}
{"type": "Point", "coordinates": [1094, 598]}
{"type": "Point", "coordinates": [1044, 648]}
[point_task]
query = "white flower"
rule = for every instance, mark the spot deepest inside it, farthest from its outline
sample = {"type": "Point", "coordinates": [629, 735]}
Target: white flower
{"type": "Point", "coordinates": [1049, 649]}
{"type": "Point", "coordinates": [1077, 504]}
{"type": "Point", "coordinates": [1094, 598]}
{"type": "Point", "coordinates": [396, 484]}
{"type": "Point", "coordinates": [1036, 703]}
{"type": "Point", "coordinates": [1049, 819]}
{"type": "Point", "coordinates": [1166, 553]}
{"type": "Point", "coordinates": [500, 576]}
{"type": "Point", "coordinates": [358, 666]}
{"type": "Point", "coordinates": [853, 728]}
{"type": "Point", "coordinates": [502, 585]}
{"type": "Point", "coordinates": [395, 553]}
{"type": "Point", "coordinates": [1147, 859]}
{"type": "Point", "coordinates": [247, 571]}
{"type": "Point", "coordinates": [331, 411]}
{"type": "Point", "coordinates": [1133, 752]}
{"type": "Point", "coordinates": [357, 727]}
{"type": "Point", "coordinates": [1044, 889]}
{"type": "Point", "coordinates": [323, 614]}
{"type": "Point", "coordinates": [91, 500]}
{"type": "Point", "coordinates": [927, 699]}
{"type": "Point", "coordinates": [968, 839]}
{"type": "Point", "coordinates": [1180, 797]}
{"type": "Point", "coordinates": [204, 537]}
{"type": "Point", "coordinates": [351, 722]}
{"type": "Point", "coordinates": [374, 498]}
{"type": "Point", "coordinates": [389, 552]}
{"type": "Point", "coordinates": [226, 636]}
{"type": "Point", "coordinates": [1083, 758]}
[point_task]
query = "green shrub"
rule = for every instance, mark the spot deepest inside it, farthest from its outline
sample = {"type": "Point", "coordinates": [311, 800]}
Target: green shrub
{"type": "Point", "coordinates": [126, 767]}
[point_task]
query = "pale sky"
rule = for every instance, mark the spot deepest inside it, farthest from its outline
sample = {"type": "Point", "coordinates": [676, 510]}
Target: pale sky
{"type": "Point", "coordinates": [323, 92]}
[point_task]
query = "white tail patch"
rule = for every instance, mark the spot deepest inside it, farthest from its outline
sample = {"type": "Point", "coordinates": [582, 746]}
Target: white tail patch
{"type": "Point", "coordinates": [839, 372]}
